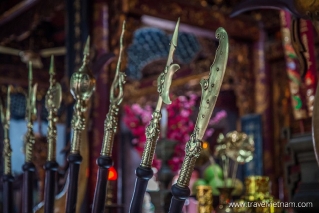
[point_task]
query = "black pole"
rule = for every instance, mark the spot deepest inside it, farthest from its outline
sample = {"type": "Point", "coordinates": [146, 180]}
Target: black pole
{"type": "Point", "coordinates": [49, 188]}
{"type": "Point", "coordinates": [27, 188]}
{"type": "Point", "coordinates": [143, 174]}
{"type": "Point", "coordinates": [7, 194]}
{"type": "Point", "coordinates": [180, 194]}
{"type": "Point", "coordinates": [104, 164]}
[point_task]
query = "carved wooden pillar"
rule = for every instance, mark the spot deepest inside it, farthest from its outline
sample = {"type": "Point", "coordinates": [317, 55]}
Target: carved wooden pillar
{"type": "Point", "coordinates": [263, 106]}
{"type": "Point", "coordinates": [100, 42]}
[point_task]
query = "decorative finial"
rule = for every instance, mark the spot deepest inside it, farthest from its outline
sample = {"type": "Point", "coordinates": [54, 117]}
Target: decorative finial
{"type": "Point", "coordinates": [82, 85]}
{"type": "Point", "coordinates": [111, 121]}
{"type": "Point", "coordinates": [119, 78]}
{"type": "Point", "coordinates": [53, 100]}
{"type": "Point", "coordinates": [5, 119]}
{"type": "Point", "coordinates": [30, 116]}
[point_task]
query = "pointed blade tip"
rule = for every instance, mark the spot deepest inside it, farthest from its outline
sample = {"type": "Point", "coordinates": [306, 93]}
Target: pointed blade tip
{"type": "Point", "coordinates": [51, 70]}
{"type": "Point", "coordinates": [87, 46]}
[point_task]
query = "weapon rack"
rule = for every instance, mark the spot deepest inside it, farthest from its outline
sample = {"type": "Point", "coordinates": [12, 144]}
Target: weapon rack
{"type": "Point", "coordinates": [244, 33]}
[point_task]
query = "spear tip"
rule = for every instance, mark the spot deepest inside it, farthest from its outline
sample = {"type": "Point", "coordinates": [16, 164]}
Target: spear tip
{"type": "Point", "coordinates": [51, 70]}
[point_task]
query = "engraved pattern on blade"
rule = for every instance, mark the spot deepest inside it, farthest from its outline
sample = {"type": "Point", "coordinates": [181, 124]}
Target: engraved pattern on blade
{"type": "Point", "coordinates": [164, 82]}
{"type": "Point", "coordinates": [212, 85]}
{"type": "Point", "coordinates": [210, 91]}
{"type": "Point", "coordinates": [110, 127]}
{"type": "Point", "coordinates": [152, 134]}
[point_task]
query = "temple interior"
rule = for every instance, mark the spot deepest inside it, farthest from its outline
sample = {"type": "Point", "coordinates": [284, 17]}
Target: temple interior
{"type": "Point", "coordinates": [146, 106]}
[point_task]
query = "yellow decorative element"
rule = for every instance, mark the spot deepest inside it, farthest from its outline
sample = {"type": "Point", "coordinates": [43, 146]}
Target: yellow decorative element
{"type": "Point", "coordinates": [82, 85]}
{"type": "Point", "coordinates": [205, 199]}
{"type": "Point", "coordinates": [164, 82]}
{"type": "Point", "coordinates": [111, 121]}
{"type": "Point", "coordinates": [257, 188]}
{"type": "Point", "coordinates": [30, 117]}
{"type": "Point", "coordinates": [52, 103]}
{"type": "Point", "coordinates": [210, 91]}
{"type": "Point", "coordinates": [5, 120]}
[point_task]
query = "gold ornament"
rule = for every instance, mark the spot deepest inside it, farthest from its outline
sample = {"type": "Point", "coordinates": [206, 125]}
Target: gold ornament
{"type": "Point", "coordinates": [111, 121]}
{"type": "Point", "coordinates": [5, 120]}
{"type": "Point", "coordinates": [52, 103]}
{"type": "Point", "coordinates": [29, 138]}
{"type": "Point", "coordinates": [82, 85]}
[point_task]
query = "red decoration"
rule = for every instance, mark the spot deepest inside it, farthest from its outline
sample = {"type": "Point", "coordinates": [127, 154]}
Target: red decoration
{"type": "Point", "coordinates": [112, 174]}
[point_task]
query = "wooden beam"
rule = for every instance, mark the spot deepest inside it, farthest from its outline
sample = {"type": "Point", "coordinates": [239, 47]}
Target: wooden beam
{"type": "Point", "coordinates": [196, 15]}
{"type": "Point", "coordinates": [17, 10]}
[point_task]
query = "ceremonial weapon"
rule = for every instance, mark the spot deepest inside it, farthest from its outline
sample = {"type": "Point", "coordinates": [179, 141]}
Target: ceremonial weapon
{"type": "Point", "coordinates": [210, 92]}
{"type": "Point", "coordinates": [82, 85]}
{"type": "Point", "coordinates": [144, 172]}
{"type": "Point", "coordinates": [104, 162]}
{"type": "Point", "coordinates": [52, 103]}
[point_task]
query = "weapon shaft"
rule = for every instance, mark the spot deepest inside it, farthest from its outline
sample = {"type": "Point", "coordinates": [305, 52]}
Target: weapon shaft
{"type": "Point", "coordinates": [27, 188]}
{"type": "Point", "coordinates": [7, 194]}
{"type": "Point", "coordinates": [49, 190]}
{"type": "Point", "coordinates": [75, 161]}
{"type": "Point", "coordinates": [210, 91]}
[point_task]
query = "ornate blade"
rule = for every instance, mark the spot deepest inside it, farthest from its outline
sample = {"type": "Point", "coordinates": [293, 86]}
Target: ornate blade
{"type": "Point", "coordinates": [164, 81]}
{"type": "Point", "coordinates": [210, 91]}
{"type": "Point", "coordinates": [211, 86]}
{"type": "Point", "coordinates": [119, 78]}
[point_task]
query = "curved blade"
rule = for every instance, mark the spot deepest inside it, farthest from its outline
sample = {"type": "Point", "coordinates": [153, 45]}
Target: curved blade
{"type": "Point", "coordinates": [211, 86]}
{"type": "Point", "coordinates": [165, 81]}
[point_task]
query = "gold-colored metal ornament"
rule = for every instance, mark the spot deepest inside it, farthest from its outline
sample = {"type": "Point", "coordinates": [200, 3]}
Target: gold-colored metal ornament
{"type": "Point", "coordinates": [257, 188]}
{"type": "Point", "coordinates": [210, 91]}
{"type": "Point", "coordinates": [163, 84]}
{"type": "Point", "coordinates": [30, 117]}
{"type": "Point", "coordinates": [241, 147]}
{"type": "Point", "coordinates": [205, 199]}
{"type": "Point", "coordinates": [82, 85]}
{"type": "Point", "coordinates": [111, 121]}
{"type": "Point", "coordinates": [52, 103]}
{"type": "Point", "coordinates": [5, 120]}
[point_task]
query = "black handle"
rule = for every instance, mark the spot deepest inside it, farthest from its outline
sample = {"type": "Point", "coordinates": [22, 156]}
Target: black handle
{"type": "Point", "coordinates": [49, 187]}
{"type": "Point", "coordinates": [7, 194]}
{"type": "Point", "coordinates": [180, 194]}
{"type": "Point", "coordinates": [104, 164]}
{"type": "Point", "coordinates": [27, 187]}
{"type": "Point", "coordinates": [74, 168]}
{"type": "Point", "coordinates": [143, 175]}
